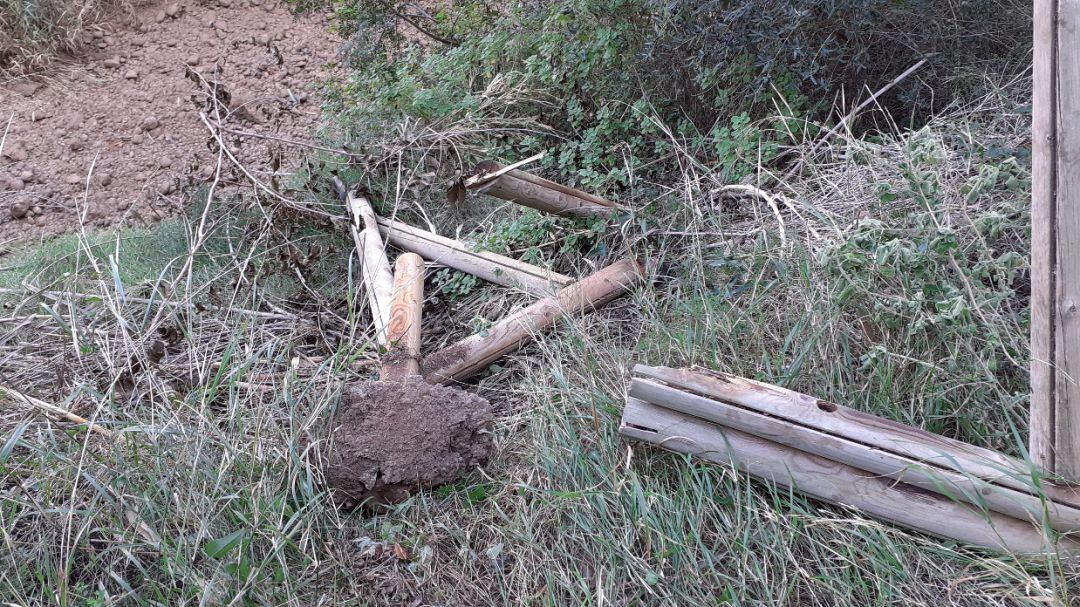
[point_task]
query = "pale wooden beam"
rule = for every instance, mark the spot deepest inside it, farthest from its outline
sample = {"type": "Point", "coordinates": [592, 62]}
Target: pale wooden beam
{"type": "Point", "coordinates": [1055, 240]}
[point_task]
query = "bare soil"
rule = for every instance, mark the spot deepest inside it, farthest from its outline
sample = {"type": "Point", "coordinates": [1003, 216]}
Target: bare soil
{"type": "Point", "coordinates": [113, 135]}
{"type": "Point", "coordinates": [390, 438]}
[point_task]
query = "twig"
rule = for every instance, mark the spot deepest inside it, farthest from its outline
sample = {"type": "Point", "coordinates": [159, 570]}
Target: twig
{"type": "Point", "coordinates": [144, 301]}
{"type": "Point", "coordinates": [302, 144]}
{"type": "Point", "coordinates": [847, 118]}
{"type": "Point", "coordinates": [55, 410]}
{"type": "Point", "coordinates": [475, 179]}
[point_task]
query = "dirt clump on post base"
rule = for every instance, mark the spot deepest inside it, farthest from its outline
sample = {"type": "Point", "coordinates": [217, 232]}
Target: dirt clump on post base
{"type": "Point", "coordinates": [392, 437]}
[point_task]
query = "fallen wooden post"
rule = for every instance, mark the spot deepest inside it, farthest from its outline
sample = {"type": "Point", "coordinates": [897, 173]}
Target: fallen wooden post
{"type": "Point", "coordinates": [957, 473]}
{"type": "Point", "coordinates": [535, 192]}
{"type": "Point", "coordinates": [492, 267]}
{"type": "Point", "coordinates": [374, 265]}
{"type": "Point", "coordinates": [464, 358]}
{"type": "Point", "coordinates": [832, 481]}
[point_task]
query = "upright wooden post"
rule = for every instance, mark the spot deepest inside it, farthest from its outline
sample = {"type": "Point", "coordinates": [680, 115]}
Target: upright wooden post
{"type": "Point", "coordinates": [1055, 240]}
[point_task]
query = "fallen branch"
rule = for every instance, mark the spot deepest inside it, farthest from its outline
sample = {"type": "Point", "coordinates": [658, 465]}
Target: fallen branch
{"type": "Point", "coordinates": [55, 410]}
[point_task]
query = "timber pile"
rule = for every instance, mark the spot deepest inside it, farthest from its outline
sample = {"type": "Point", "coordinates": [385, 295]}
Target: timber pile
{"type": "Point", "coordinates": [891, 471]}
{"type": "Point", "coordinates": [411, 429]}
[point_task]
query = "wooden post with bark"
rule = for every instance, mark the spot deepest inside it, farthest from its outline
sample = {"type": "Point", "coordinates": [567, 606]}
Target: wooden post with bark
{"type": "Point", "coordinates": [529, 190]}
{"type": "Point", "coordinates": [472, 354]}
{"type": "Point", "coordinates": [1055, 241]}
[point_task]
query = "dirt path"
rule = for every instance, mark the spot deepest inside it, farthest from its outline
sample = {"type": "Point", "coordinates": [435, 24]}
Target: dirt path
{"type": "Point", "coordinates": [125, 112]}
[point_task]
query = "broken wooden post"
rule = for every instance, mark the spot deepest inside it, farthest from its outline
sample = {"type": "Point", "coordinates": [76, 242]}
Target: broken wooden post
{"type": "Point", "coordinates": [833, 482]}
{"type": "Point", "coordinates": [1055, 243]}
{"type": "Point", "coordinates": [403, 331]}
{"type": "Point", "coordinates": [492, 267]}
{"type": "Point", "coordinates": [535, 192]}
{"type": "Point", "coordinates": [460, 360]}
{"type": "Point", "coordinates": [374, 265]}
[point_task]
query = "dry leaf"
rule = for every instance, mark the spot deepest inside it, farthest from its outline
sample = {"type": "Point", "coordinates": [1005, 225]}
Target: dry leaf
{"type": "Point", "coordinates": [400, 553]}
{"type": "Point", "coordinates": [456, 193]}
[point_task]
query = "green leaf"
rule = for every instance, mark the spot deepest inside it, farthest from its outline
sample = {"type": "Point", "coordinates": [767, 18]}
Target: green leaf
{"type": "Point", "coordinates": [222, 546]}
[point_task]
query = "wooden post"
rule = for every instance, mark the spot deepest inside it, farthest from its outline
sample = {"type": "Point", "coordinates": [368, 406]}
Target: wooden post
{"type": "Point", "coordinates": [403, 331]}
{"type": "Point", "coordinates": [492, 267]}
{"type": "Point", "coordinates": [460, 360]}
{"type": "Point", "coordinates": [1055, 241]}
{"type": "Point", "coordinates": [538, 193]}
{"type": "Point", "coordinates": [375, 267]}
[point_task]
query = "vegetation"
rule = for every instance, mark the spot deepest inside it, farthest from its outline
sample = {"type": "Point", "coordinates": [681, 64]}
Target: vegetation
{"type": "Point", "coordinates": [884, 268]}
{"type": "Point", "coordinates": [32, 31]}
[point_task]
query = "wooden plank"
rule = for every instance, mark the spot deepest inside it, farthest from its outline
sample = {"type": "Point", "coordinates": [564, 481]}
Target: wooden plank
{"type": "Point", "coordinates": [900, 439]}
{"type": "Point", "coordinates": [492, 267]}
{"type": "Point", "coordinates": [1055, 246]}
{"type": "Point", "coordinates": [954, 485]}
{"type": "Point", "coordinates": [403, 331]}
{"type": "Point", "coordinates": [834, 482]}
{"type": "Point", "coordinates": [1043, 230]}
{"type": "Point", "coordinates": [472, 354]}
{"type": "Point", "coordinates": [1067, 239]}
{"type": "Point", "coordinates": [374, 266]}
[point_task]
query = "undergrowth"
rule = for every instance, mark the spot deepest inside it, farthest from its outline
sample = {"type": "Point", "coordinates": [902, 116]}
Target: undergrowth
{"type": "Point", "coordinates": [33, 31]}
{"type": "Point", "coordinates": [883, 269]}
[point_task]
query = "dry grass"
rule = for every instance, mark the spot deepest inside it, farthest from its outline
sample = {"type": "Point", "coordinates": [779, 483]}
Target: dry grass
{"type": "Point", "coordinates": [32, 32]}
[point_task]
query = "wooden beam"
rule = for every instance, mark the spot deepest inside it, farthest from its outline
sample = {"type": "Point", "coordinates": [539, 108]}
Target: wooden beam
{"type": "Point", "coordinates": [538, 193]}
{"type": "Point", "coordinates": [374, 266]}
{"type": "Point", "coordinates": [472, 354]}
{"type": "Point", "coordinates": [873, 453]}
{"type": "Point", "coordinates": [1055, 241]}
{"type": "Point", "coordinates": [833, 482]}
{"type": "Point", "coordinates": [492, 267]}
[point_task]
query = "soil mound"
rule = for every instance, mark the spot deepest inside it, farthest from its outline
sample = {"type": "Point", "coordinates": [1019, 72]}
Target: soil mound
{"type": "Point", "coordinates": [393, 437]}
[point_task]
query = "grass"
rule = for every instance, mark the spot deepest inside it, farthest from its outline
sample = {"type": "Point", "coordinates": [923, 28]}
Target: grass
{"type": "Point", "coordinates": [891, 277]}
{"type": "Point", "coordinates": [33, 31]}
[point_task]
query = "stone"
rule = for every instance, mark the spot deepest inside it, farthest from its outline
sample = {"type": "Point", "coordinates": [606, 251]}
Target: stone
{"type": "Point", "coordinates": [16, 152]}
{"type": "Point", "coordinates": [131, 75]}
{"type": "Point", "coordinates": [18, 210]}
{"type": "Point", "coordinates": [172, 10]}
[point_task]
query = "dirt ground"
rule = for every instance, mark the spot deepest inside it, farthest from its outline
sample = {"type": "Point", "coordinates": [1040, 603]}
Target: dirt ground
{"type": "Point", "coordinates": [114, 135]}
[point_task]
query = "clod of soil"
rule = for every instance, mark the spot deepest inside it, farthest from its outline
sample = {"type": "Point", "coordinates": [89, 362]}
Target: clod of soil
{"type": "Point", "coordinates": [391, 438]}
